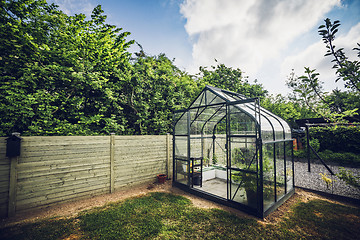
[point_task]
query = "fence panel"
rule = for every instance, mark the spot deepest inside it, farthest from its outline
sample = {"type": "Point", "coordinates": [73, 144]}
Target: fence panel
{"type": "Point", "coordinates": [4, 178]}
{"type": "Point", "coordinates": [139, 159]}
{"type": "Point", "coordinates": [56, 169]}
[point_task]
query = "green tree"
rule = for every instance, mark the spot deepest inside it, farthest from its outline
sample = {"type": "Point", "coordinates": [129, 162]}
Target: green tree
{"type": "Point", "coordinates": [346, 69]}
{"type": "Point", "coordinates": [231, 79]}
{"type": "Point", "coordinates": [308, 90]}
{"type": "Point", "coordinates": [286, 108]}
{"type": "Point", "coordinates": [60, 74]}
{"type": "Point", "coordinates": [156, 88]}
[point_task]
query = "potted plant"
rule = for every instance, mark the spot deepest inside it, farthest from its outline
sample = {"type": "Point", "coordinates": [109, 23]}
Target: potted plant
{"type": "Point", "coordinates": [242, 159]}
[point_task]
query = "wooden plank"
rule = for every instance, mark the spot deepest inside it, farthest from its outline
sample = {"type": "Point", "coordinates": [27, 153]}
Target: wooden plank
{"type": "Point", "coordinates": [59, 140]}
{"type": "Point", "coordinates": [91, 168]}
{"type": "Point", "coordinates": [33, 192]}
{"type": "Point", "coordinates": [49, 165]}
{"type": "Point", "coordinates": [57, 180]}
{"type": "Point", "coordinates": [112, 162]}
{"type": "Point", "coordinates": [139, 156]}
{"type": "Point", "coordinates": [85, 195]}
{"type": "Point", "coordinates": [70, 193]}
{"type": "Point", "coordinates": [54, 168]}
{"type": "Point", "coordinates": [138, 162]}
{"type": "Point", "coordinates": [25, 207]}
{"type": "Point", "coordinates": [125, 180]}
{"type": "Point", "coordinates": [138, 172]}
{"type": "Point", "coordinates": [12, 187]}
{"type": "Point", "coordinates": [62, 157]}
{"type": "Point", "coordinates": [76, 151]}
{"type": "Point", "coordinates": [62, 193]}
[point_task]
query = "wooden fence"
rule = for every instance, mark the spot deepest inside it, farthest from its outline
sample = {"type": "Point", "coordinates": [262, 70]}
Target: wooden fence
{"type": "Point", "coordinates": [52, 170]}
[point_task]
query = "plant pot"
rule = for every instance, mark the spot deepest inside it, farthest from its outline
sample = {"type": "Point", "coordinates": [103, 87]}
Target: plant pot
{"type": "Point", "coordinates": [197, 179]}
{"type": "Point", "coordinates": [161, 178]}
{"type": "Point", "coordinates": [251, 197]}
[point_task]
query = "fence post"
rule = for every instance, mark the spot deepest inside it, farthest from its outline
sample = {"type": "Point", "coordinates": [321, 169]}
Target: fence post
{"type": "Point", "coordinates": [308, 145]}
{"type": "Point", "coordinates": [168, 170]}
{"type": "Point", "coordinates": [12, 186]}
{"type": "Point", "coordinates": [112, 156]}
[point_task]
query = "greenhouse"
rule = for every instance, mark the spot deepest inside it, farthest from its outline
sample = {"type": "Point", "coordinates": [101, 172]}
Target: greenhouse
{"type": "Point", "coordinates": [228, 149]}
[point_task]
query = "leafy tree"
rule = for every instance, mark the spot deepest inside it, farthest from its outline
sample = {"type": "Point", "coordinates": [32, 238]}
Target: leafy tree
{"type": "Point", "coordinates": [231, 79]}
{"type": "Point", "coordinates": [60, 74]}
{"type": "Point", "coordinates": [346, 69]}
{"type": "Point", "coordinates": [156, 88]}
{"type": "Point", "coordinates": [308, 90]}
{"type": "Point", "coordinates": [286, 108]}
{"type": "Point", "coordinates": [335, 106]}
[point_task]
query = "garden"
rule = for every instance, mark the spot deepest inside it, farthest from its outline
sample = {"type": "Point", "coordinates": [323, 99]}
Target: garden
{"type": "Point", "coordinates": [162, 213]}
{"type": "Point", "coordinates": [71, 75]}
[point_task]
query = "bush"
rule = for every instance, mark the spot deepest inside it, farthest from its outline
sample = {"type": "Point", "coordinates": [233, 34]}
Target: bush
{"type": "Point", "coordinates": [341, 158]}
{"type": "Point", "coordinates": [337, 138]}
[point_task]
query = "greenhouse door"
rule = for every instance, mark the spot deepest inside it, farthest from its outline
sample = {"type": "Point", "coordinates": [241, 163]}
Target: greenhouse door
{"type": "Point", "coordinates": [242, 157]}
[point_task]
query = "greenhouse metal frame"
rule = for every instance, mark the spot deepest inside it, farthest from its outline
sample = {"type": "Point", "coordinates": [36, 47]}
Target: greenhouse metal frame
{"type": "Point", "coordinates": [229, 149]}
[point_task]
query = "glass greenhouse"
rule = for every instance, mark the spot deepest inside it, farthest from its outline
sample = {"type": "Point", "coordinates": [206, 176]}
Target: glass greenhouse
{"type": "Point", "coordinates": [230, 150]}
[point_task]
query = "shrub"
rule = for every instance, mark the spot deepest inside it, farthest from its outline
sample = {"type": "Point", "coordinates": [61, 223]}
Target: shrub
{"type": "Point", "coordinates": [337, 138]}
{"type": "Point", "coordinates": [341, 158]}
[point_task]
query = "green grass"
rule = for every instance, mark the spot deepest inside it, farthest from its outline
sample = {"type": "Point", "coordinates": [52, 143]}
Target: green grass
{"type": "Point", "coordinates": [167, 216]}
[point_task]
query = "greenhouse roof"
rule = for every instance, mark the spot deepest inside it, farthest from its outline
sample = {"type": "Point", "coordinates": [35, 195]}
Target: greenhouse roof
{"type": "Point", "coordinates": [210, 108]}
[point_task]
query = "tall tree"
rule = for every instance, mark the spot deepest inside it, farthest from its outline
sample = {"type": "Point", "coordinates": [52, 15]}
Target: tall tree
{"type": "Point", "coordinates": [346, 69]}
{"type": "Point", "coordinates": [156, 88]}
{"type": "Point", "coordinates": [58, 73]}
{"type": "Point", "coordinates": [231, 79]}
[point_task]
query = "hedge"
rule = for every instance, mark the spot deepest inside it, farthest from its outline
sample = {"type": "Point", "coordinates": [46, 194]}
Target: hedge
{"type": "Point", "coordinates": [337, 138]}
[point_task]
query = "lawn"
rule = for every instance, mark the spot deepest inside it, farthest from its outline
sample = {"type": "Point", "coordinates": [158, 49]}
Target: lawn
{"type": "Point", "coordinates": [168, 216]}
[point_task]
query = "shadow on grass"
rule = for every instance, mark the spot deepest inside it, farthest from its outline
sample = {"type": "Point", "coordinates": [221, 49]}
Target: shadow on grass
{"type": "Point", "coordinates": [167, 216]}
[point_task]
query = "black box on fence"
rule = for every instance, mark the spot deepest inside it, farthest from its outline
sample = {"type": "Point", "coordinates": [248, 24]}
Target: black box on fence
{"type": "Point", "coordinates": [13, 144]}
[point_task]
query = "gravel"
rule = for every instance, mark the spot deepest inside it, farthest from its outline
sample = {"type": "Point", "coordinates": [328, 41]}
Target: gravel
{"type": "Point", "coordinates": [313, 179]}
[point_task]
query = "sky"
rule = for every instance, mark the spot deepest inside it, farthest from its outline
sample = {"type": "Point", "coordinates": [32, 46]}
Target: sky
{"type": "Point", "coordinates": [266, 39]}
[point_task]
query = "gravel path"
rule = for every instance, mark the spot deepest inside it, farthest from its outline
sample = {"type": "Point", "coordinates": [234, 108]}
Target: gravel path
{"type": "Point", "coordinates": [312, 180]}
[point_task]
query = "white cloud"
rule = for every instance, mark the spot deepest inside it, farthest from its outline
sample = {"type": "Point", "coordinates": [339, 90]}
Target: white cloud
{"type": "Point", "coordinates": [72, 7]}
{"type": "Point", "coordinates": [246, 34]}
{"type": "Point", "coordinates": [313, 57]}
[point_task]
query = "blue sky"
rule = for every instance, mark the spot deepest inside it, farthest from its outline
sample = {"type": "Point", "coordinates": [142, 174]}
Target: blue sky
{"type": "Point", "coordinates": [264, 38]}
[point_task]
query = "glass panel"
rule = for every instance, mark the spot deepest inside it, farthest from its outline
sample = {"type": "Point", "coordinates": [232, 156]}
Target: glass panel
{"type": "Point", "coordinates": [218, 153]}
{"type": "Point", "coordinates": [241, 123]}
{"type": "Point", "coordinates": [181, 147]}
{"type": "Point", "coordinates": [280, 170]}
{"type": "Point", "coordinates": [278, 127]}
{"type": "Point", "coordinates": [289, 166]}
{"type": "Point", "coordinates": [195, 147]}
{"type": "Point", "coordinates": [266, 130]}
{"type": "Point", "coordinates": [200, 101]}
{"type": "Point", "coordinates": [243, 153]}
{"type": "Point", "coordinates": [268, 175]}
{"type": "Point", "coordinates": [287, 130]}
{"type": "Point", "coordinates": [181, 171]}
{"type": "Point", "coordinates": [243, 188]}
{"type": "Point", "coordinates": [210, 98]}
{"type": "Point", "coordinates": [181, 124]}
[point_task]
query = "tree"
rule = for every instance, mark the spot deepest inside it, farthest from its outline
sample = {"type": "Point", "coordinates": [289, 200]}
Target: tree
{"type": "Point", "coordinates": [308, 88]}
{"type": "Point", "coordinates": [156, 88]}
{"type": "Point", "coordinates": [287, 109]}
{"type": "Point", "coordinates": [231, 79]}
{"type": "Point", "coordinates": [60, 74]}
{"type": "Point", "coordinates": [348, 70]}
